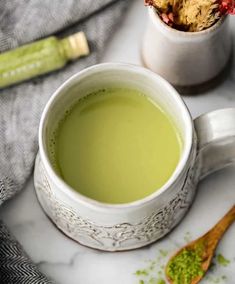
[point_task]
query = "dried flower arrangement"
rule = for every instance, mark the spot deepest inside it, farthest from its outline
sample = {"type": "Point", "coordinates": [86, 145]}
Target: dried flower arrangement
{"type": "Point", "coordinates": [192, 15]}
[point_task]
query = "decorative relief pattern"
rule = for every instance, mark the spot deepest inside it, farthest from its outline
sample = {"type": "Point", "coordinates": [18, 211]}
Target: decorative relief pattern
{"type": "Point", "coordinates": [120, 236]}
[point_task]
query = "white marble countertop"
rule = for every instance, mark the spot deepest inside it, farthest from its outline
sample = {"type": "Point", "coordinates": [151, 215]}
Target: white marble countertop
{"type": "Point", "coordinates": [70, 263]}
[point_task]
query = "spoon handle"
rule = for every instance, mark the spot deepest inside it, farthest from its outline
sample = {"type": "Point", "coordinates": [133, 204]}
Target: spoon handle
{"type": "Point", "coordinates": [221, 227]}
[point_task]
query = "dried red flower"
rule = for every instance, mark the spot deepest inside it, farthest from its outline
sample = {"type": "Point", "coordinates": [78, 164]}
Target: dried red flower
{"type": "Point", "coordinates": [227, 7]}
{"type": "Point", "coordinates": [168, 18]}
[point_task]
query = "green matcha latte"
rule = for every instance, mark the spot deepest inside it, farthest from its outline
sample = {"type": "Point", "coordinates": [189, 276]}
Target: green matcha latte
{"type": "Point", "coordinates": [116, 146]}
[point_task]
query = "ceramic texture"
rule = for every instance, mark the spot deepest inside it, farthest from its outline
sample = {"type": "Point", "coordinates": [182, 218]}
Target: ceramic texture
{"type": "Point", "coordinates": [187, 60]}
{"type": "Point", "coordinates": [133, 225]}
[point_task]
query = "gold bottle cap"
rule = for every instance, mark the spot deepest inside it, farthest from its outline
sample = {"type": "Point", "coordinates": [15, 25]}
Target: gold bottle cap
{"type": "Point", "coordinates": [79, 45]}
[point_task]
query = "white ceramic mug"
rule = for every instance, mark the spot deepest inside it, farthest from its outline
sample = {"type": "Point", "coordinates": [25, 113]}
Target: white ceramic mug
{"type": "Point", "coordinates": [132, 225]}
{"type": "Point", "coordinates": [191, 61]}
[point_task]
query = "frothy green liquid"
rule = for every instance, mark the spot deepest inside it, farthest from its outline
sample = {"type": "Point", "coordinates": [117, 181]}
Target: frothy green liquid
{"type": "Point", "coordinates": [116, 146]}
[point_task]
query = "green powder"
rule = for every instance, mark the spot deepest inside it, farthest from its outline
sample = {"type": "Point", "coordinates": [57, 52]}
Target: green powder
{"type": "Point", "coordinates": [156, 281]}
{"type": "Point", "coordinates": [216, 279]}
{"type": "Point", "coordinates": [222, 260]}
{"type": "Point", "coordinates": [163, 252]}
{"type": "Point", "coordinates": [153, 281]}
{"type": "Point", "coordinates": [161, 281]}
{"type": "Point", "coordinates": [186, 266]}
{"type": "Point", "coordinates": [154, 271]}
{"type": "Point", "coordinates": [141, 272]}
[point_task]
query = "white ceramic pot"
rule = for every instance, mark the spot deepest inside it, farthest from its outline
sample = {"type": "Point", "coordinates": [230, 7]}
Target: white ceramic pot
{"type": "Point", "coordinates": [191, 61]}
{"type": "Point", "coordinates": [133, 225]}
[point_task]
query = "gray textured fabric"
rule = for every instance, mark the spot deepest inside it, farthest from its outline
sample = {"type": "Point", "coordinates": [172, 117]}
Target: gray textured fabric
{"type": "Point", "coordinates": [15, 266]}
{"type": "Point", "coordinates": [21, 106]}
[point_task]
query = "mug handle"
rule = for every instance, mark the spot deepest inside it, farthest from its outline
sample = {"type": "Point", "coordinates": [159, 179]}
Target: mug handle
{"type": "Point", "coordinates": [216, 140]}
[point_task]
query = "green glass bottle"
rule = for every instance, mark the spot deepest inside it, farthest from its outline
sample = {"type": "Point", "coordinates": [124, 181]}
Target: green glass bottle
{"type": "Point", "coordinates": [40, 57]}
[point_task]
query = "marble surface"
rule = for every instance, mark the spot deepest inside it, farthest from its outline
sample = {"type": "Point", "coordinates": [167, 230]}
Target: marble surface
{"type": "Point", "coordinates": [68, 262]}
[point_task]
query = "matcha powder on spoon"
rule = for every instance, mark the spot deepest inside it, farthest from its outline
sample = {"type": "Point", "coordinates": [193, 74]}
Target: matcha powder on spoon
{"type": "Point", "coordinates": [185, 266]}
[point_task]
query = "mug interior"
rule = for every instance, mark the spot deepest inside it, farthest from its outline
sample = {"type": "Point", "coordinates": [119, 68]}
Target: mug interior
{"type": "Point", "coordinates": [115, 75]}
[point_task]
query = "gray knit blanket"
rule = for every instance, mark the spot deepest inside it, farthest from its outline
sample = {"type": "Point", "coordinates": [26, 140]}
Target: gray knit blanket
{"type": "Point", "coordinates": [21, 106]}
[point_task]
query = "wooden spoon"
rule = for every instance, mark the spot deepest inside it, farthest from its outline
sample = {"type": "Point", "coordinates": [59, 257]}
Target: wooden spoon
{"type": "Point", "coordinates": [210, 241]}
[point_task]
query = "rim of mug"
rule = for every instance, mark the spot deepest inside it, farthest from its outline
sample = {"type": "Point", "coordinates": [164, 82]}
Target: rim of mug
{"type": "Point", "coordinates": [158, 21]}
{"type": "Point", "coordinates": [67, 189]}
